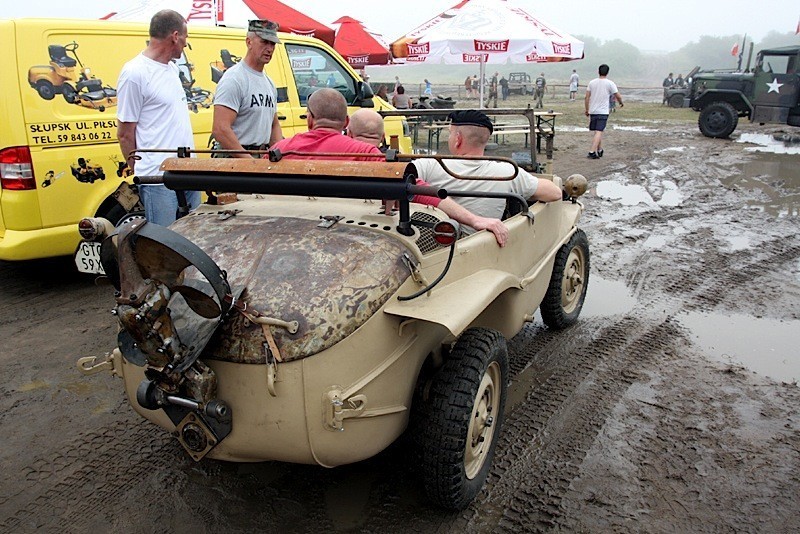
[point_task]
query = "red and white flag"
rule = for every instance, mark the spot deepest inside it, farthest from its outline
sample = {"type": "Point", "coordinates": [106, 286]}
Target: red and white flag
{"type": "Point", "coordinates": [735, 49]}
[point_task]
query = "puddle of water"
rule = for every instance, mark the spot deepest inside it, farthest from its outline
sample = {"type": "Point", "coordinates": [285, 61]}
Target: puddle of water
{"type": "Point", "coordinates": [766, 346]}
{"type": "Point", "coordinates": [778, 179]}
{"type": "Point", "coordinates": [671, 149]}
{"type": "Point", "coordinates": [634, 128]}
{"type": "Point", "coordinates": [627, 195]}
{"type": "Point", "coordinates": [606, 297]}
{"type": "Point", "coordinates": [573, 129]}
{"type": "Point", "coordinates": [737, 242]}
{"type": "Point", "coordinates": [767, 143]}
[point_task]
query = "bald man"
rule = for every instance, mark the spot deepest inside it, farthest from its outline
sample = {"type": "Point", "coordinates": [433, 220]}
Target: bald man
{"type": "Point", "coordinates": [366, 126]}
{"type": "Point", "coordinates": [326, 118]}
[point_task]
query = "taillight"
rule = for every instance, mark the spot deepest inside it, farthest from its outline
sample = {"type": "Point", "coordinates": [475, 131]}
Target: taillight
{"type": "Point", "coordinates": [16, 168]}
{"type": "Point", "coordinates": [446, 232]}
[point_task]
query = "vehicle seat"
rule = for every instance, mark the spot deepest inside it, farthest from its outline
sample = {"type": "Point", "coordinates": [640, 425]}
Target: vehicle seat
{"type": "Point", "coordinates": [58, 54]}
{"type": "Point", "coordinates": [227, 60]}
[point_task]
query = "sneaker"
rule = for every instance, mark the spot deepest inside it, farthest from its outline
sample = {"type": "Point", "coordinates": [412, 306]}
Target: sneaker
{"type": "Point", "coordinates": [600, 153]}
{"type": "Point", "coordinates": [592, 155]}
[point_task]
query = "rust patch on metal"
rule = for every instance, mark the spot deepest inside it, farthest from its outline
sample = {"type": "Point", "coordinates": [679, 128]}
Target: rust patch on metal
{"type": "Point", "coordinates": [329, 280]}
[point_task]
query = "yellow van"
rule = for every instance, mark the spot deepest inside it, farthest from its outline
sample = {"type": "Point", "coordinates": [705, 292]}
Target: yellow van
{"type": "Point", "coordinates": [59, 156]}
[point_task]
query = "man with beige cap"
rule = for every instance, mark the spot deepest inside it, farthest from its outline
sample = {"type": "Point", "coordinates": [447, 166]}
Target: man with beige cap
{"type": "Point", "coordinates": [246, 101]}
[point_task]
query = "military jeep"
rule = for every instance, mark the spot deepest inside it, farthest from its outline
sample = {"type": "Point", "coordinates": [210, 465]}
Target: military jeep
{"type": "Point", "coordinates": [520, 83]}
{"type": "Point", "coordinates": [769, 94]}
{"type": "Point", "coordinates": [303, 324]}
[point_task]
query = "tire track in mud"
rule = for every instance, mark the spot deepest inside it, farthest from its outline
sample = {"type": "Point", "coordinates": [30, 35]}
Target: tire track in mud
{"type": "Point", "coordinates": [546, 437]}
{"type": "Point", "coordinates": [87, 479]}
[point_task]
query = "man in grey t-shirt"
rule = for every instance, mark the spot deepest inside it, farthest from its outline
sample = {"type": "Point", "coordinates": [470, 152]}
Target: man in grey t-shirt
{"type": "Point", "coordinates": [246, 102]}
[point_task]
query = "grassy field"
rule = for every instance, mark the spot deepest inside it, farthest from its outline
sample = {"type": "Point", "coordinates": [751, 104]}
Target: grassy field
{"type": "Point", "coordinates": [573, 112]}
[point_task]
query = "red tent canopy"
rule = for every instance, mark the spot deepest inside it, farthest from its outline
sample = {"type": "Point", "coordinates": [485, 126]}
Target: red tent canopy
{"type": "Point", "coordinates": [290, 20]}
{"type": "Point", "coordinates": [358, 46]}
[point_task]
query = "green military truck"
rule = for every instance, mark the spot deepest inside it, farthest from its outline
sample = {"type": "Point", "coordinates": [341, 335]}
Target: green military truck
{"type": "Point", "coordinates": [770, 93]}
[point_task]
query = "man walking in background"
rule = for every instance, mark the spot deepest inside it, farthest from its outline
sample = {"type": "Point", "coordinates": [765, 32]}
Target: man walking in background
{"type": "Point", "coordinates": [598, 93]}
{"type": "Point", "coordinates": [152, 113]}
{"type": "Point", "coordinates": [246, 101]}
{"type": "Point", "coordinates": [573, 84]}
{"type": "Point", "coordinates": [541, 85]}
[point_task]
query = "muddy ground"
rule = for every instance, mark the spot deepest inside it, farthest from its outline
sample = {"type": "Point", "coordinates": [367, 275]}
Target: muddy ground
{"type": "Point", "coordinates": [633, 420]}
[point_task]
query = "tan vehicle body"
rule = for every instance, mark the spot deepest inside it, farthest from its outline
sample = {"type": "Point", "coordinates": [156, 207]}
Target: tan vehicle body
{"type": "Point", "coordinates": [353, 398]}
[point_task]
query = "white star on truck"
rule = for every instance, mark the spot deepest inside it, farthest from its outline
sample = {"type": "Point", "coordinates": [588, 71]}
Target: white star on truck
{"type": "Point", "coordinates": [774, 86]}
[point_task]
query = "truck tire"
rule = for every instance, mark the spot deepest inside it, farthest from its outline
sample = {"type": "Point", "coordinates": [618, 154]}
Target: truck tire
{"type": "Point", "coordinates": [567, 290]}
{"type": "Point", "coordinates": [718, 119]}
{"type": "Point", "coordinates": [676, 101]}
{"type": "Point", "coordinates": [461, 418]}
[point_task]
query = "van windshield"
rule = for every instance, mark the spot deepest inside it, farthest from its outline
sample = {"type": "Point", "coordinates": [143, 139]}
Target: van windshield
{"type": "Point", "coordinates": [314, 68]}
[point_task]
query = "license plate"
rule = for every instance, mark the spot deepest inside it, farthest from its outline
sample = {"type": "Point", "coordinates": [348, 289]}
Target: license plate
{"type": "Point", "coordinates": [87, 258]}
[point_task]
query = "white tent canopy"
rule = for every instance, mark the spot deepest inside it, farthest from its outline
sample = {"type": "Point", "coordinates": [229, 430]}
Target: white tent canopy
{"type": "Point", "coordinates": [233, 13]}
{"type": "Point", "coordinates": [486, 31]}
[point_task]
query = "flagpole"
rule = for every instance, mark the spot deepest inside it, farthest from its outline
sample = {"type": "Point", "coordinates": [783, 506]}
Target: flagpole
{"type": "Point", "coordinates": [482, 75]}
{"type": "Point", "coordinates": [741, 53]}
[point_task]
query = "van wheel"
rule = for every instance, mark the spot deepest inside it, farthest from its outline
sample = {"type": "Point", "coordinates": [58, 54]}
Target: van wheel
{"type": "Point", "coordinates": [567, 290]}
{"type": "Point", "coordinates": [45, 89]}
{"type": "Point", "coordinates": [718, 119]}
{"type": "Point", "coordinates": [118, 216]}
{"type": "Point", "coordinates": [69, 93]}
{"type": "Point", "coordinates": [461, 418]}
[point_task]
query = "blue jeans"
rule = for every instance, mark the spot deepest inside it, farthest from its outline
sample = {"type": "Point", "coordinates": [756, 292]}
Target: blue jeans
{"type": "Point", "coordinates": [161, 204]}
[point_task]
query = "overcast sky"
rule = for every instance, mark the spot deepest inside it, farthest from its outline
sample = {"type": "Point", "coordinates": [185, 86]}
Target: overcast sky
{"type": "Point", "coordinates": [648, 24]}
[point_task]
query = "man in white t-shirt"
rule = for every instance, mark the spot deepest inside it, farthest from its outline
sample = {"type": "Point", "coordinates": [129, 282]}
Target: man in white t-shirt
{"type": "Point", "coordinates": [152, 113]}
{"type": "Point", "coordinates": [470, 130]}
{"type": "Point", "coordinates": [598, 94]}
{"type": "Point", "coordinates": [246, 101]}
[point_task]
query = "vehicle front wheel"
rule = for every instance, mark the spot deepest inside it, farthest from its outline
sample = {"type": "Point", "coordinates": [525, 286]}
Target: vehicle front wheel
{"type": "Point", "coordinates": [70, 95]}
{"type": "Point", "coordinates": [564, 298]}
{"type": "Point", "coordinates": [462, 416]}
{"type": "Point", "coordinates": [676, 101]}
{"type": "Point", "coordinates": [718, 119]}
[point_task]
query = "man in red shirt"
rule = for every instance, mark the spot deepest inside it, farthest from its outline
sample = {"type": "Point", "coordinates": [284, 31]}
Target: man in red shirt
{"type": "Point", "coordinates": [326, 116]}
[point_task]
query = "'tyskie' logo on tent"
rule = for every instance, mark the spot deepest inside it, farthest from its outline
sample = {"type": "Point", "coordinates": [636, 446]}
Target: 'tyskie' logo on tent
{"type": "Point", "coordinates": [419, 49]}
{"type": "Point", "coordinates": [474, 58]}
{"type": "Point", "coordinates": [563, 49]}
{"type": "Point", "coordinates": [491, 46]}
{"type": "Point", "coordinates": [358, 60]}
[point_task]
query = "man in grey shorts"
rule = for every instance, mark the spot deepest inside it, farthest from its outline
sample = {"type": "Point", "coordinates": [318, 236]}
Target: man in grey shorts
{"type": "Point", "coordinates": [246, 101]}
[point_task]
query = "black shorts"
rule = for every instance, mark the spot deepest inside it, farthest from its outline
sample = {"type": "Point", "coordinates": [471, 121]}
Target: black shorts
{"type": "Point", "coordinates": [597, 123]}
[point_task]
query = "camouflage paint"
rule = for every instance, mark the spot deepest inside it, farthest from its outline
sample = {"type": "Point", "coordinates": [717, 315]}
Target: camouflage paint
{"type": "Point", "coordinates": [329, 280]}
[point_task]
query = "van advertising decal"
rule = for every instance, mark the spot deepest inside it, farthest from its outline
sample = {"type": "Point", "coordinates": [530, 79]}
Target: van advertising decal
{"type": "Point", "coordinates": [72, 132]}
{"type": "Point", "coordinates": [60, 77]}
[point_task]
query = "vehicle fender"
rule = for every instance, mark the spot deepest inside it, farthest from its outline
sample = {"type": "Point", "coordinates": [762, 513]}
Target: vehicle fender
{"type": "Point", "coordinates": [456, 305]}
{"type": "Point", "coordinates": [732, 96]}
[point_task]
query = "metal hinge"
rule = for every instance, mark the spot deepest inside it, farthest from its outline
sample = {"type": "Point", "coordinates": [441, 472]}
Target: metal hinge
{"type": "Point", "coordinates": [336, 409]}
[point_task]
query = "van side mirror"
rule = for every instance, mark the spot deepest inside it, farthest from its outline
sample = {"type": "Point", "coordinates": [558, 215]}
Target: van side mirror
{"type": "Point", "coordinates": [364, 95]}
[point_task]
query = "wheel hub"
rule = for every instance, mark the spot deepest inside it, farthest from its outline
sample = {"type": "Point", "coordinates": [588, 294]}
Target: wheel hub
{"type": "Point", "coordinates": [481, 428]}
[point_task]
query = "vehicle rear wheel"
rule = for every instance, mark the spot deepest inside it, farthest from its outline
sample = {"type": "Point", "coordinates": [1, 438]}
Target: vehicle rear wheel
{"type": "Point", "coordinates": [70, 95]}
{"type": "Point", "coordinates": [564, 298]}
{"type": "Point", "coordinates": [461, 418]}
{"type": "Point", "coordinates": [45, 89]}
{"type": "Point", "coordinates": [676, 101]}
{"type": "Point", "coordinates": [718, 119]}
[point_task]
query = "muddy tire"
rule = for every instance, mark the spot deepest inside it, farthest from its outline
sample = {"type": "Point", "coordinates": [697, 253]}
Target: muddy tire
{"type": "Point", "coordinates": [676, 101]}
{"type": "Point", "coordinates": [461, 418]}
{"type": "Point", "coordinates": [718, 119]}
{"type": "Point", "coordinates": [567, 290]}
{"type": "Point", "coordinates": [45, 89]}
